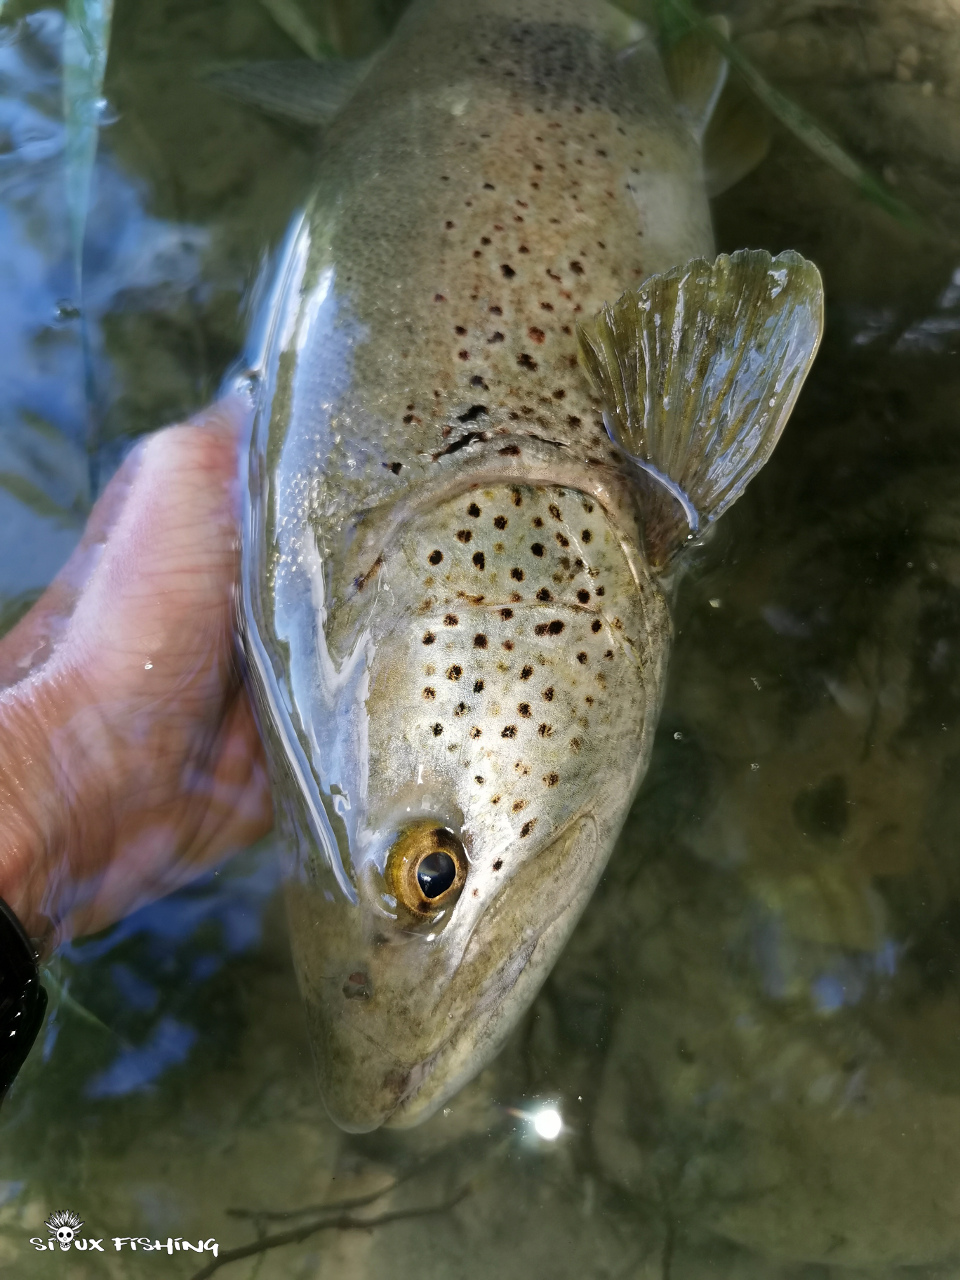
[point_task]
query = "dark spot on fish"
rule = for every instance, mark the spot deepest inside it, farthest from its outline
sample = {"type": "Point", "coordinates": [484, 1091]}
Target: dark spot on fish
{"type": "Point", "coordinates": [499, 522]}
{"type": "Point", "coordinates": [508, 645]}
{"type": "Point", "coordinates": [478, 780]}
{"type": "Point", "coordinates": [506, 614]}
{"type": "Point", "coordinates": [518, 806]}
{"type": "Point", "coordinates": [583, 596]}
{"type": "Point", "coordinates": [429, 637]}
{"type": "Point", "coordinates": [600, 591]}
{"type": "Point", "coordinates": [460, 708]}
{"type": "Point", "coordinates": [488, 186]}
{"type": "Point", "coordinates": [476, 381]}
{"type": "Point", "coordinates": [459, 329]}
{"type": "Point", "coordinates": [364, 578]}
{"type": "Point", "coordinates": [464, 535]}
{"type": "Point", "coordinates": [429, 693]}
{"type": "Point", "coordinates": [551, 779]}
{"type": "Point", "coordinates": [526, 361]}
{"type": "Point", "coordinates": [495, 310]}
{"type": "Point", "coordinates": [546, 306]}
{"type": "Point", "coordinates": [538, 522]}
{"type": "Point", "coordinates": [464, 354]}
{"type": "Point", "coordinates": [478, 686]}
{"type": "Point", "coordinates": [395, 467]}
{"type": "Point", "coordinates": [548, 694]}
{"type": "Point", "coordinates": [563, 540]}
{"type": "Point", "coordinates": [573, 420]}
{"type": "Point", "coordinates": [475, 732]}
{"type": "Point", "coordinates": [476, 410]}
{"type": "Point", "coordinates": [454, 672]}
{"type": "Point", "coordinates": [516, 574]}
{"type": "Point", "coordinates": [437, 730]}
{"type": "Point", "coordinates": [496, 800]}
{"type": "Point", "coordinates": [498, 864]}
{"type": "Point", "coordinates": [496, 337]}
{"type": "Point", "coordinates": [575, 743]}
{"type": "Point", "coordinates": [473, 510]}
{"type": "Point", "coordinates": [527, 827]}
{"type": "Point", "coordinates": [524, 708]}
{"type": "Point", "coordinates": [438, 297]}
{"type": "Point", "coordinates": [510, 451]}
{"type": "Point", "coordinates": [509, 731]}
{"type": "Point", "coordinates": [544, 595]}
{"type": "Point", "coordinates": [537, 548]}
{"type": "Point", "coordinates": [581, 657]}
{"type": "Point", "coordinates": [507, 270]}
{"type": "Point", "coordinates": [517, 498]}
{"type": "Point", "coordinates": [479, 559]}
{"type": "Point", "coordinates": [479, 640]}
{"type": "Point", "coordinates": [461, 442]}
{"type": "Point", "coordinates": [526, 673]}
{"type": "Point", "coordinates": [537, 335]}
{"type": "Point", "coordinates": [587, 536]}
{"type": "Point", "coordinates": [559, 393]}
{"type": "Point", "coordinates": [576, 268]}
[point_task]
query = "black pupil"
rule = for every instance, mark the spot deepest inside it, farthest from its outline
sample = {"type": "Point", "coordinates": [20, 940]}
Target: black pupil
{"type": "Point", "coordinates": [436, 873]}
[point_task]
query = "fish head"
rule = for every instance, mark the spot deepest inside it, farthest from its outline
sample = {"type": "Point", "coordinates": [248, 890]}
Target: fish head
{"type": "Point", "coordinates": [498, 723]}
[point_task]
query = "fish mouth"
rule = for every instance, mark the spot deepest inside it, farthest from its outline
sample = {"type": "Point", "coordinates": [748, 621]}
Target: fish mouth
{"type": "Point", "coordinates": [368, 1081]}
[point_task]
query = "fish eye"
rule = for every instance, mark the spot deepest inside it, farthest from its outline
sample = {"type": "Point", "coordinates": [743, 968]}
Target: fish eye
{"type": "Point", "coordinates": [426, 869]}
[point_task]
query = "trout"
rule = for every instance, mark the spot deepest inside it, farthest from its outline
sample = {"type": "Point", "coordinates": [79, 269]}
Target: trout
{"type": "Point", "coordinates": [502, 384]}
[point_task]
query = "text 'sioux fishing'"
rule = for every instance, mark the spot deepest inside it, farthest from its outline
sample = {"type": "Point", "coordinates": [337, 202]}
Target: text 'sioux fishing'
{"type": "Point", "coordinates": [503, 382]}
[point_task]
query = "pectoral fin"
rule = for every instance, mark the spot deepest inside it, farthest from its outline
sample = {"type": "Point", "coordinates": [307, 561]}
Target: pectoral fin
{"type": "Point", "coordinates": [697, 71]}
{"type": "Point", "coordinates": [736, 139]}
{"type": "Point", "coordinates": [698, 370]}
{"type": "Point", "coordinates": [305, 92]}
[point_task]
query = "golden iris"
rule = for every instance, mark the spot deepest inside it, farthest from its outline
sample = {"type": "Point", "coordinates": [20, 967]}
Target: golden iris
{"type": "Point", "coordinates": [426, 869]}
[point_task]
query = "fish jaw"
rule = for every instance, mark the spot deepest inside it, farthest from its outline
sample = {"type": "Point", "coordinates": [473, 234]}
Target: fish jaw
{"type": "Point", "coordinates": [505, 662]}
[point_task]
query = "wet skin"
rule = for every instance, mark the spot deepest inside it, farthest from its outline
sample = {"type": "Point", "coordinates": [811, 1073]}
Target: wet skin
{"type": "Point", "coordinates": [129, 759]}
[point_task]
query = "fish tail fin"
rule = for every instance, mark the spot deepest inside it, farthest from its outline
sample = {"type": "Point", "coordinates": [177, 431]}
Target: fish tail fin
{"type": "Point", "coordinates": [698, 370]}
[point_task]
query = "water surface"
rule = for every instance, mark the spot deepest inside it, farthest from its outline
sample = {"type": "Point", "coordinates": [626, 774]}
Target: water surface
{"type": "Point", "coordinates": [753, 1038]}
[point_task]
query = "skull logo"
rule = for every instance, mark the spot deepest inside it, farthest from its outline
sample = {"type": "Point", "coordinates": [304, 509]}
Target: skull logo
{"type": "Point", "coordinates": [64, 1225]}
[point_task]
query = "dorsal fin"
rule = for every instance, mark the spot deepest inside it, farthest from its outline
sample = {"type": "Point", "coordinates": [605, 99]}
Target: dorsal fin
{"type": "Point", "coordinates": [302, 91]}
{"type": "Point", "coordinates": [697, 71]}
{"type": "Point", "coordinates": [698, 370]}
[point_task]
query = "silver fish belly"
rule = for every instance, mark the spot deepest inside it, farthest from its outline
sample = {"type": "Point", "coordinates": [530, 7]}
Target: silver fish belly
{"type": "Point", "coordinates": [450, 593]}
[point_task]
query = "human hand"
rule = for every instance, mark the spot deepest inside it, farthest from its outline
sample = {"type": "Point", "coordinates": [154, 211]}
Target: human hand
{"type": "Point", "coordinates": [129, 756]}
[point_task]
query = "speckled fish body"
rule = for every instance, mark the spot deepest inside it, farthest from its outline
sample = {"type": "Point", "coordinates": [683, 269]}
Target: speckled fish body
{"type": "Point", "coordinates": [448, 611]}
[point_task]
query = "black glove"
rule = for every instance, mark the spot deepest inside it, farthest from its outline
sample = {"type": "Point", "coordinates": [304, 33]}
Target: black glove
{"type": "Point", "coordinates": [23, 1000]}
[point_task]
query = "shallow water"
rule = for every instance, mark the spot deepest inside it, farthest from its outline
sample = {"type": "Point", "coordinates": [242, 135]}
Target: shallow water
{"type": "Point", "coordinates": [754, 1036]}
